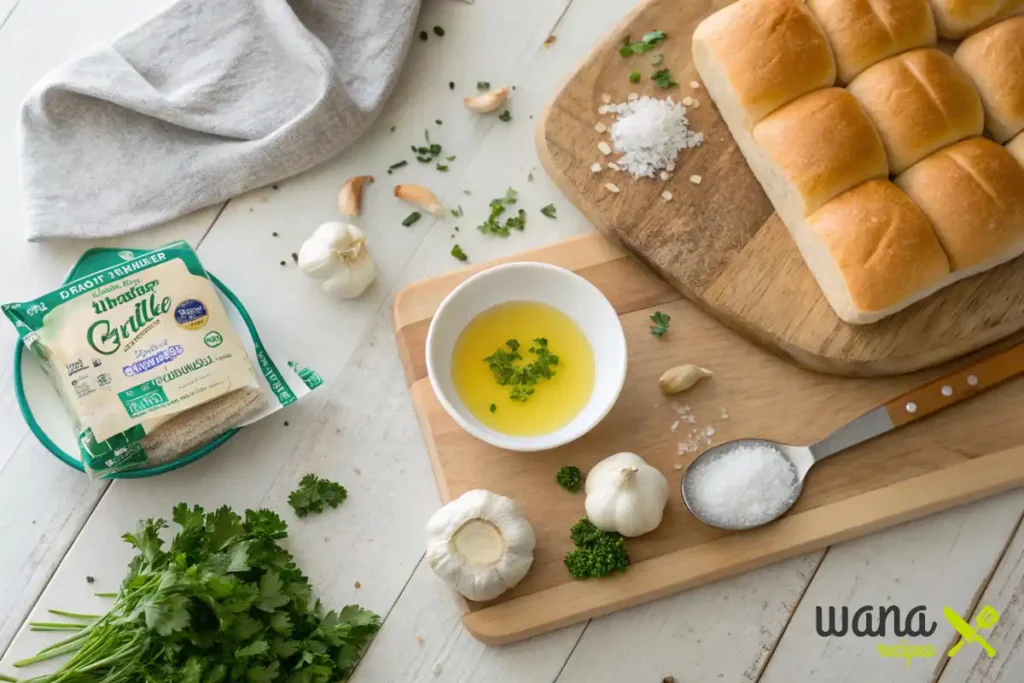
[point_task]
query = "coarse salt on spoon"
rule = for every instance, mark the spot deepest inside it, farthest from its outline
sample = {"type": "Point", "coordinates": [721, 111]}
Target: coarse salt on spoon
{"type": "Point", "coordinates": [747, 483]}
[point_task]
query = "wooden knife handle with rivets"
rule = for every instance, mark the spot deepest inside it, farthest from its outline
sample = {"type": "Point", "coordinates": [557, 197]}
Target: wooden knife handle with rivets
{"type": "Point", "coordinates": [957, 386]}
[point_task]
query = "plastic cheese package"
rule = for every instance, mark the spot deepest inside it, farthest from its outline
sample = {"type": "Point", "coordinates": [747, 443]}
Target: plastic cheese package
{"type": "Point", "coordinates": [146, 360]}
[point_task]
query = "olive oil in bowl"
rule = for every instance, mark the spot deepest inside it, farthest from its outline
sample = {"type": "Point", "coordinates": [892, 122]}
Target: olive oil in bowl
{"type": "Point", "coordinates": [522, 343]}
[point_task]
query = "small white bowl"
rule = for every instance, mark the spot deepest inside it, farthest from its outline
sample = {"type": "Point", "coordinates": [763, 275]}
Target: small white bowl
{"type": "Point", "coordinates": [543, 283]}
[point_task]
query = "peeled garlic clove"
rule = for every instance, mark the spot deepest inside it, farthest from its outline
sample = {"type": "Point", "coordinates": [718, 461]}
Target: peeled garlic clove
{"type": "Point", "coordinates": [337, 256]}
{"type": "Point", "coordinates": [681, 378]}
{"type": "Point", "coordinates": [487, 102]}
{"type": "Point", "coordinates": [421, 197]}
{"type": "Point", "coordinates": [350, 196]}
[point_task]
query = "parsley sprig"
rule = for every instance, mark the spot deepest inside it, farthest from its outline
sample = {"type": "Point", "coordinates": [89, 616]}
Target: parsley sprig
{"type": "Point", "coordinates": [223, 602]}
{"type": "Point", "coordinates": [660, 323]}
{"type": "Point", "coordinates": [645, 44]}
{"type": "Point", "coordinates": [522, 377]}
{"type": "Point", "coordinates": [598, 553]}
{"type": "Point", "coordinates": [313, 493]}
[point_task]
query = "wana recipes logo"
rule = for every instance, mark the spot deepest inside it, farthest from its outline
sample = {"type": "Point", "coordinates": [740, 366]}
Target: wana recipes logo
{"type": "Point", "coordinates": [879, 622]}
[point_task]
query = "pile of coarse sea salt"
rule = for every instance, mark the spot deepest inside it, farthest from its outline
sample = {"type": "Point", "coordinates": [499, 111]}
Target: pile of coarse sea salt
{"type": "Point", "coordinates": [649, 133]}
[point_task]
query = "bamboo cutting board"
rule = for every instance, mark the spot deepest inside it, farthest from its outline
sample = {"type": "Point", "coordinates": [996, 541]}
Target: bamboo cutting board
{"type": "Point", "coordinates": [969, 452]}
{"type": "Point", "coordinates": [720, 243]}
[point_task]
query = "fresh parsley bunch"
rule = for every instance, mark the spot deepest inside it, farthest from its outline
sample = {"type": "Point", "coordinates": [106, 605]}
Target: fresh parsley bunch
{"type": "Point", "coordinates": [598, 553]}
{"type": "Point", "coordinates": [224, 602]}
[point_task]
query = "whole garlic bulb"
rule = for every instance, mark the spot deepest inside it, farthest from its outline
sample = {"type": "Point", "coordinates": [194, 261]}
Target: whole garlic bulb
{"type": "Point", "coordinates": [480, 544]}
{"type": "Point", "coordinates": [337, 256]}
{"type": "Point", "coordinates": [626, 495]}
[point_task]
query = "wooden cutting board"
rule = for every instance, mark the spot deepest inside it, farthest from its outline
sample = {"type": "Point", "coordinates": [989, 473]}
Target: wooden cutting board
{"type": "Point", "coordinates": [720, 243]}
{"type": "Point", "coordinates": [965, 453]}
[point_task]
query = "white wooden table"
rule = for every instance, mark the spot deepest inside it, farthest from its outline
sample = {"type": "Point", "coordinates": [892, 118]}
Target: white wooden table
{"type": "Point", "coordinates": [56, 527]}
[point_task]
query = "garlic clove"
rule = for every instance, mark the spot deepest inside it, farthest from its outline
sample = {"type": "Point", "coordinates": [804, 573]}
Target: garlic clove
{"type": "Point", "coordinates": [350, 196]}
{"type": "Point", "coordinates": [681, 378]}
{"type": "Point", "coordinates": [421, 197]}
{"type": "Point", "coordinates": [486, 102]}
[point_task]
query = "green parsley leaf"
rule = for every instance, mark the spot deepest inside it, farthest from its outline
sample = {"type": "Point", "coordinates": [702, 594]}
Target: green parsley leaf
{"type": "Point", "coordinates": [398, 164]}
{"type": "Point", "coordinates": [660, 326]}
{"type": "Point", "coordinates": [457, 212]}
{"type": "Point", "coordinates": [634, 77]}
{"type": "Point", "coordinates": [569, 478]}
{"type": "Point", "coordinates": [626, 50]}
{"type": "Point", "coordinates": [663, 78]}
{"type": "Point", "coordinates": [505, 116]}
{"type": "Point", "coordinates": [313, 493]}
{"type": "Point", "coordinates": [423, 35]}
{"type": "Point", "coordinates": [458, 253]}
{"type": "Point", "coordinates": [483, 85]}
{"type": "Point", "coordinates": [442, 167]}
{"type": "Point", "coordinates": [411, 218]}
{"type": "Point", "coordinates": [438, 31]}
{"type": "Point", "coordinates": [548, 210]}
{"type": "Point", "coordinates": [653, 37]}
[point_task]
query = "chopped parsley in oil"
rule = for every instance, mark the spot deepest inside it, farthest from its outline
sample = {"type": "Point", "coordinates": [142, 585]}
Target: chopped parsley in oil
{"type": "Point", "coordinates": [493, 408]}
{"type": "Point", "coordinates": [522, 377]}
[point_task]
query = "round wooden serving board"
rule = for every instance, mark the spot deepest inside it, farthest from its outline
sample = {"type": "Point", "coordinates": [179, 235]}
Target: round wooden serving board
{"type": "Point", "coordinates": [720, 242]}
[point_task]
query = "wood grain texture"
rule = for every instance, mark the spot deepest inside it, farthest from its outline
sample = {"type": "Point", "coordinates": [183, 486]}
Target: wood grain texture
{"type": "Point", "coordinates": [720, 242]}
{"type": "Point", "coordinates": [925, 467]}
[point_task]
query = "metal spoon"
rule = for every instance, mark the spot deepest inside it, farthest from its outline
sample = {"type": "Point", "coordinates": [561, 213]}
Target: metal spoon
{"type": "Point", "coordinates": [913, 405]}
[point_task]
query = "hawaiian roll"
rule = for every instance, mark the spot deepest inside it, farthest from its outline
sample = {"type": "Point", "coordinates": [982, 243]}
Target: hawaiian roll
{"type": "Point", "coordinates": [872, 251]}
{"type": "Point", "coordinates": [814, 149]}
{"type": "Point", "coordinates": [758, 55]}
{"type": "Point", "coordinates": [994, 59]}
{"type": "Point", "coordinates": [864, 32]}
{"type": "Point", "coordinates": [920, 101]}
{"type": "Point", "coordinates": [973, 194]}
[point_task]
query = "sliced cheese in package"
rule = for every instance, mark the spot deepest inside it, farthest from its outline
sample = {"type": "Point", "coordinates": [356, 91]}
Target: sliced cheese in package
{"type": "Point", "coordinates": [146, 360]}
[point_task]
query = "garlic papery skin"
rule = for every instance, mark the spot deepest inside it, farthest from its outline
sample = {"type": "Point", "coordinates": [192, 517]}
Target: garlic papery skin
{"type": "Point", "coordinates": [337, 256]}
{"type": "Point", "coordinates": [626, 495]}
{"type": "Point", "coordinates": [480, 544]}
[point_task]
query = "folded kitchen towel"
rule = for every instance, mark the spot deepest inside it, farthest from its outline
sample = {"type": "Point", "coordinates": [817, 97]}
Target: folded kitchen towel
{"type": "Point", "coordinates": [205, 101]}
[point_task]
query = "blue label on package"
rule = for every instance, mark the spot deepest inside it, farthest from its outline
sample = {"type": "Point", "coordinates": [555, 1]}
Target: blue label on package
{"type": "Point", "coordinates": [191, 314]}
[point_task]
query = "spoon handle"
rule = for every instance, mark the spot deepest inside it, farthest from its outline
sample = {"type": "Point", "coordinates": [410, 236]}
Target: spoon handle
{"type": "Point", "coordinates": [956, 387]}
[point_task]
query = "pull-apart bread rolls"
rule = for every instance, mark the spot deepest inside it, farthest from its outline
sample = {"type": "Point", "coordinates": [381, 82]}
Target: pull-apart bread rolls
{"type": "Point", "coordinates": [1016, 147]}
{"type": "Point", "coordinates": [956, 18]}
{"type": "Point", "coordinates": [973, 194]}
{"type": "Point", "coordinates": [920, 101]}
{"type": "Point", "coordinates": [873, 251]}
{"type": "Point", "coordinates": [757, 55]}
{"type": "Point", "coordinates": [814, 149]}
{"type": "Point", "coordinates": [994, 59]}
{"type": "Point", "coordinates": [864, 32]}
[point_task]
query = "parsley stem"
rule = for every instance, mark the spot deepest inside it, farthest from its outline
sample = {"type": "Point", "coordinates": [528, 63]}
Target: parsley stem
{"type": "Point", "coordinates": [73, 615]}
{"type": "Point", "coordinates": [54, 626]}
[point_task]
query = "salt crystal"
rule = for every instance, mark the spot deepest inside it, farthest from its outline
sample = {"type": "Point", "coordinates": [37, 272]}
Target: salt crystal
{"type": "Point", "coordinates": [746, 485]}
{"type": "Point", "coordinates": [632, 97]}
{"type": "Point", "coordinates": [695, 105]}
{"type": "Point", "coordinates": [664, 175]}
{"type": "Point", "coordinates": [611, 187]}
{"type": "Point", "coordinates": [606, 98]}
{"type": "Point", "coordinates": [614, 166]}
{"type": "Point", "coordinates": [695, 179]}
{"type": "Point", "coordinates": [678, 466]}
{"type": "Point", "coordinates": [688, 101]}
{"type": "Point", "coordinates": [675, 426]}
{"type": "Point", "coordinates": [604, 109]}
{"type": "Point", "coordinates": [650, 133]}
{"type": "Point", "coordinates": [666, 195]}
{"type": "Point", "coordinates": [603, 148]}
{"type": "Point", "coordinates": [694, 84]}
{"type": "Point", "coordinates": [595, 167]}
{"type": "Point", "coordinates": [600, 127]}
{"type": "Point", "coordinates": [691, 419]}
{"type": "Point", "coordinates": [709, 431]}
{"type": "Point", "coordinates": [725, 414]}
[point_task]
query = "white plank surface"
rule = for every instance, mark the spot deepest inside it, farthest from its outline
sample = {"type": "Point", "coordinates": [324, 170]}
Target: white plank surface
{"type": "Point", "coordinates": [360, 429]}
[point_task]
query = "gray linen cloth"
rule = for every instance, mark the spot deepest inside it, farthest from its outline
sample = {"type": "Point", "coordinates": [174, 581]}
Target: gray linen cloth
{"type": "Point", "coordinates": [205, 101]}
